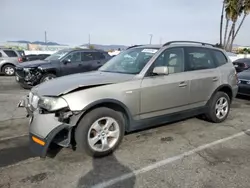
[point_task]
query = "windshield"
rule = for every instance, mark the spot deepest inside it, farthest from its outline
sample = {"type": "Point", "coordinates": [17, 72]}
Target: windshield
{"type": "Point", "coordinates": [57, 56]}
{"type": "Point", "coordinates": [130, 61]}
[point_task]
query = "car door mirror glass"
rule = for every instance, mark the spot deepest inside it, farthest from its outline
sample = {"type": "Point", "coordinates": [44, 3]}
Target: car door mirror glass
{"type": "Point", "coordinates": [162, 70]}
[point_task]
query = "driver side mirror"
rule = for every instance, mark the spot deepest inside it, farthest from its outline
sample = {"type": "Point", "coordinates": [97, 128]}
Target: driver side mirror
{"type": "Point", "coordinates": [66, 61]}
{"type": "Point", "coordinates": [163, 70]}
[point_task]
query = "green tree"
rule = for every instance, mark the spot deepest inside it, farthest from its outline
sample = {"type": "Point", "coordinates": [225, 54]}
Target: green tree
{"type": "Point", "coordinates": [233, 11]}
{"type": "Point", "coordinates": [91, 47]}
{"type": "Point", "coordinates": [246, 11]}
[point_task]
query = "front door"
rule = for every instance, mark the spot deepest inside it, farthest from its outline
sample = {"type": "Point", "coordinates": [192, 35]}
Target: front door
{"type": "Point", "coordinates": [72, 66]}
{"type": "Point", "coordinates": [166, 94]}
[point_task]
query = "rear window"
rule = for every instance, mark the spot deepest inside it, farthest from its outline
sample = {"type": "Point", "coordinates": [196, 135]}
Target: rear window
{"type": "Point", "coordinates": [10, 53]}
{"type": "Point", "coordinates": [219, 57]}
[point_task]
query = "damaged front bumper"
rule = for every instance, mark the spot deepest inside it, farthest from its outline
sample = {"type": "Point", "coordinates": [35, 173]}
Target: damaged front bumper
{"type": "Point", "coordinates": [45, 130]}
{"type": "Point", "coordinates": [28, 76]}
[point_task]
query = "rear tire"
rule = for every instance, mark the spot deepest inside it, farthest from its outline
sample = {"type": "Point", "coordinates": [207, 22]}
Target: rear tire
{"type": "Point", "coordinates": [9, 70]}
{"type": "Point", "coordinates": [47, 77]}
{"type": "Point", "coordinates": [90, 129]}
{"type": "Point", "coordinates": [218, 107]}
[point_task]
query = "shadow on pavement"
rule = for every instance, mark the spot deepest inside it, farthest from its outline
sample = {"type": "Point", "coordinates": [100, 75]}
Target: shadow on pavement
{"type": "Point", "coordinates": [105, 169]}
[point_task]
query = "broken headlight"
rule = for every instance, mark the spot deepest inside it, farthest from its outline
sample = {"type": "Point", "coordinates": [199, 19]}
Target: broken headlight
{"type": "Point", "coordinates": [52, 103]}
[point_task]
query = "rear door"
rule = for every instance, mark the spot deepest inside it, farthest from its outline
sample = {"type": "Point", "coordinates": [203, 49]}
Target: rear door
{"type": "Point", "coordinates": [12, 56]}
{"type": "Point", "coordinates": [205, 76]}
{"type": "Point", "coordinates": [99, 60]}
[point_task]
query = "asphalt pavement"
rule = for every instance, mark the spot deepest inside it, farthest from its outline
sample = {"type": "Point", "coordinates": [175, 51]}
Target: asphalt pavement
{"type": "Point", "coordinates": [191, 153]}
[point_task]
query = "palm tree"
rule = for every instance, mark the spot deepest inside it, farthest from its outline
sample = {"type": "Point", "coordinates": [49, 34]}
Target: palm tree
{"type": "Point", "coordinates": [246, 10]}
{"type": "Point", "coordinates": [221, 21]}
{"type": "Point", "coordinates": [233, 11]}
{"type": "Point", "coordinates": [239, 9]}
{"type": "Point", "coordinates": [228, 9]}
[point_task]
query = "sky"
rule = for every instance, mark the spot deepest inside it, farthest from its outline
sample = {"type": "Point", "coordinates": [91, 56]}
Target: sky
{"type": "Point", "coordinates": [114, 21]}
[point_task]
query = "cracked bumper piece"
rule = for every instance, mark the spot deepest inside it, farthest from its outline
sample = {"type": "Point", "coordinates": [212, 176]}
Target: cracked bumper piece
{"type": "Point", "coordinates": [45, 129]}
{"type": "Point", "coordinates": [41, 146]}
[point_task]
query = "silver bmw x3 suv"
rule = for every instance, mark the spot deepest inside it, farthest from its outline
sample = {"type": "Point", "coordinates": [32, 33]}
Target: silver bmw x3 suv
{"type": "Point", "coordinates": [141, 87]}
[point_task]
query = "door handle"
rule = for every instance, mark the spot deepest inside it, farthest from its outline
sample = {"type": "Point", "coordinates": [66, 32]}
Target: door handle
{"type": "Point", "coordinates": [183, 84]}
{"type": "Point", "coordinates": [215, 79]}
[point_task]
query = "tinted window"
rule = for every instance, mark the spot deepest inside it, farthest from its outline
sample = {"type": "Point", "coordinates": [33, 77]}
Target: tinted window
{"type": "Point", "coordinates": [1, 54]}
{"type": "Point", "coordinates": [199, 59]}
{"type": "Point", "coordinates": [172, 58]}
{"type": "Point", "coordinates": [219, 57]}
{"type": "Point", "coordinates": [98, 55]}
{"type": "Point", "coordinates": [10, 53]}
{"type": "Point", "coordinates": [74, 56]}
{"type": "Point", "coordinates": [87, 56]}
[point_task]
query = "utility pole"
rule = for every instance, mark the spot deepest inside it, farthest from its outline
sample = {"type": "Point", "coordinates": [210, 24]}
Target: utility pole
{"type": "Point", "coordinates": [160, 40]}
{"type": "Point", "coordinates": [45, 37]}
{"type": "Point", "coordinates": [150, 38]}
{"type": "Point", "coordinates": [89, 40]}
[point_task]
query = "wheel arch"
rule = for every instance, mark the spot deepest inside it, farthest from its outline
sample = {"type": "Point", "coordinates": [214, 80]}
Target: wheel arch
{"type": "Point", "coordinates": [224, 88]}
{"type": "Point", "coordinates": [110, 103]}
{"type": "Point", "coordinates": [7, 63]}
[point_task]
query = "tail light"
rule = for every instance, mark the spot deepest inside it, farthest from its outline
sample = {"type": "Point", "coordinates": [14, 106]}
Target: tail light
{"type": "Point", "coordinates": [236, 77]}
{"type": "Point", "coordinates": [20, 60]}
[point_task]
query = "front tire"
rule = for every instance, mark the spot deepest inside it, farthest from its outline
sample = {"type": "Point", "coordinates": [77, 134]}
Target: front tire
{"type": "Point", "coordinates": [218, 107]}
{"type": "Point", "coordinates": [25, 86]}
{"type": "Point", "coordinates": [47, 77]}
{"type": "Point", "coordinates": [9, 70]}
{"type": "Point", "coordinates": [100, 132]}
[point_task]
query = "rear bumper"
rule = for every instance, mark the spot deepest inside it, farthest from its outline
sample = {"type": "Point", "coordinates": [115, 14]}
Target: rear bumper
{"type": "Point", "coordinates": [235, 91]}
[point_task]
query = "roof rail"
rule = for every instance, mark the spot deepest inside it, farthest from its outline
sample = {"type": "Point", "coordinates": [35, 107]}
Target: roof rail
{"type": "Point", "coordinates": [195, 42]}
{"type": "Point", "coordinates": [133, 46]}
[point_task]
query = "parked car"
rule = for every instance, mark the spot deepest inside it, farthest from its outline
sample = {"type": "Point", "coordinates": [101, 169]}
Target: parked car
{"type": "Point", "coordinates": [232, 56]}
{"type": "Point", "coordinates": [92, 111]}
{"type": "Point", "coordinates": [244, 83]}
{"type": "Point", "coordinates": [33, 57]}
{"type": "Point", "coordinates": [61, 63]}
{"type": "Point", "coordinates": [242, 64]}
{"type": "Point", "coordinates": [8, 60]}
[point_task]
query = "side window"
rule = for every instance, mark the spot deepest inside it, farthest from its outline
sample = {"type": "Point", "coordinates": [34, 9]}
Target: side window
{"type": "Point", "coordinates": [10, 53]}
{"type": "Point", "coordinates": [1, 54]}
{"type": "Point", "coordinates": [173, 58]}
{"type": "Point", "coordinates": [199, 59]}
{"type": "Point", "coordinates": [98, 55]}
{"type": "Point", "coordinates": [74, 57]}
{"type": "Point", "coordinates": [87, 56]}
{"type": "Point", "coordinates": [219, 57]}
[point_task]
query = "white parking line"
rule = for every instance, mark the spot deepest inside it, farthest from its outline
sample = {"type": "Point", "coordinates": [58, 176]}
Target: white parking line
{"type": "Point", "coordinates": [12, 137]}
{"type": "Point", "coordinates": [165, 161]}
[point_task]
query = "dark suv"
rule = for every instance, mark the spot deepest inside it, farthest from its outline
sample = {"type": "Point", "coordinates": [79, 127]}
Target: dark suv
{"type": "Point", "coordinates": [63, 62]}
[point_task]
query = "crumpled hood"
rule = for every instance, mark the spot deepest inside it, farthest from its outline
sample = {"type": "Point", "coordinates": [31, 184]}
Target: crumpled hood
{"type": "Point", "coordinates": [65, 84]}
{"type": "Point", "coordinates": [34, 63]}
{"type": "Point", "coordinates": [245, 75]}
